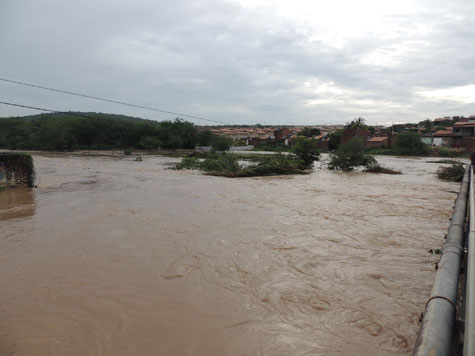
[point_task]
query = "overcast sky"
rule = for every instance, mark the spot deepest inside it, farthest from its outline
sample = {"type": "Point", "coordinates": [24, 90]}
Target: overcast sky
{"type": "Point", "coordinates": [243, 61]}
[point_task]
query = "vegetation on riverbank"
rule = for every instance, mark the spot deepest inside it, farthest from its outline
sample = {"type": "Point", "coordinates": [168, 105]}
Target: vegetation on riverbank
{"type": "Point", "coordinates": [227, 165]}
{"type": "Point", "coordinates": [352, 154]}
{"type": "Point", "coordinates": [252, 157]}
{"type": "Point", "coordinates": [304, 153]}
{"type": "Point", "coordinates": [272, 147]}
{"type": "Point", "coordinates": [277, 164]}
{"type": "Point", "coordinates": [444, 161]}
{"type": "Point", "coordinates": [96, 131]}
{"type": "Point", "coordinates": [452, 173]}
{"type": "Point", "coordinates": [377, 168]}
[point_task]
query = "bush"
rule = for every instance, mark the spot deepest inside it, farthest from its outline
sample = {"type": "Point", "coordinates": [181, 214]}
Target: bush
{"type": "Point", "coordinates": [440, 151]}
{"type": "Point", "coordinates": [274, 165]}
{"type": "Point", "coordinates": [445, 161]}
{"type": "Point", "coordinates": [453, 173]}
{"type": "Point", "coordinates": [306, 150]}
{"type": "Point", "coordinates": [225, 162]}
{"type": "Point", "coordinates": [375, 167]}
{"type": "Point", "coordinates": [206, 154]}
{"type": "Point", "coordinates": [272, 147]}
{"type": "Point", "coordinates": [379, 151]}
{"type": "Point", "coordinates": [240, 143]}
{"type": "Point", "coordinates": [189, 163]}
{"type": "Point", "coordinates": [227, 165]}
{"type": "Point", "coordinates": [270, 166]}
{"type": "Point", "coordinates": [350, 155]}
{"type": "Point", "coordinates": [409, 143]}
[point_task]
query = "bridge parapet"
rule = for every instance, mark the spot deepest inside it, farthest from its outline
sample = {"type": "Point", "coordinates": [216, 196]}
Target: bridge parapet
{"type": "Point", "coordinates": [438, 323]}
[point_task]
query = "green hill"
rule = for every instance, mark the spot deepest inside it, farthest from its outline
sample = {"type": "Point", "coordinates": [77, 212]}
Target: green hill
{"type": "Point", "coordinates": [89, 130]}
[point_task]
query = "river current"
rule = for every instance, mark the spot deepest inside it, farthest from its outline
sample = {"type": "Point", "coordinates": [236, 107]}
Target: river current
{"type": "Point", "coordinates": [110, 256]}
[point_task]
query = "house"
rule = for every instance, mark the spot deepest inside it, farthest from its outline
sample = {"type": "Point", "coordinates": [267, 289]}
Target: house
{"type": "Point", "coordinates": [350, 134]}
{"type": "Point", "coordinates": [322, 141]}
{"type": "Point", "coordinates": [443, 137]}
{"type": "Point", "coordinates": [378, 142]}
{"type": "Point", "coordinates": [463, 135]}
{"type": "Point", "coordinates": [464, 129]}
{"type": "Point", "coordinates": [444, 121]}
{"type": "Point", "coordinates": [283, 135]}
{"type": "Point", "coordinates": [426, 139]}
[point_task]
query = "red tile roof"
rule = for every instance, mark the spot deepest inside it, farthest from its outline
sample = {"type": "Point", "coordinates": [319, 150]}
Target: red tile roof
{"type": "Point", "coordinates": [465, 123]}
{"type": "Point", "coordinates": [443, 133]}
{"type": "Point", "coordinates": [378, 139]}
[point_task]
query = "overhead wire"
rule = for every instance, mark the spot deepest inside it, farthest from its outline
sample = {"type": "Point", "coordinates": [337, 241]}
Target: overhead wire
{"type": "Point", "coordinates": [73, 114]}
{"type": "Point", "coordinates": [111, 101]}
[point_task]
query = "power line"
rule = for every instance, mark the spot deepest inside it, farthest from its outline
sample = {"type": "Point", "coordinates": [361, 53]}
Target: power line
{"type": "Point", "coordinates": [69, 113]}
{"type": "Point", "coordinates": [110, 101]}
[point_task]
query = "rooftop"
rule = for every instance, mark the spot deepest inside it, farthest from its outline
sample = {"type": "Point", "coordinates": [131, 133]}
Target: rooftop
{"type": "Point", "coordinates": [443, 133]}
{"type": "Point", "coordinates": [377, 139]}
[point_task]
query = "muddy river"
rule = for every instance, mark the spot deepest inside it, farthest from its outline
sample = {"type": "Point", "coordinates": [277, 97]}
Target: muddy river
{"type": "Point", "coordinates": [109, 256]}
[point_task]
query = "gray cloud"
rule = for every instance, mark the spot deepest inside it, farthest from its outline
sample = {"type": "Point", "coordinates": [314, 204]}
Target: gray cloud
{"type": "Point", "coordinates": [219, 60]}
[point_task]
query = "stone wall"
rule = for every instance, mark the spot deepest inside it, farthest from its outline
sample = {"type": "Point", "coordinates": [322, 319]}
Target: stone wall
{"type": "Point", "coordinates": [16, 170]}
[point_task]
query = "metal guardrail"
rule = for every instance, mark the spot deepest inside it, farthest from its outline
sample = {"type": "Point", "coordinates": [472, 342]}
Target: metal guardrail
{"type": "Point", "coordinates": [469, 333]}
{"type": "Point", "coordinates": [435, 335]}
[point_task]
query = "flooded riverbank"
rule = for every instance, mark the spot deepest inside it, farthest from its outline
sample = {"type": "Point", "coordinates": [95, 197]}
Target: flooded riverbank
{"type": "Point", "coordinates": [109, 256]}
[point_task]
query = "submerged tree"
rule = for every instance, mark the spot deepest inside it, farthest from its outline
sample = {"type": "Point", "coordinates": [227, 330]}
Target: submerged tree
{"type": "Point", "coordinates": [334, 139]}
{"type": "Point", "coordinates": [306, 149]}
{"type": "Point", "coordinates": [351, 155]}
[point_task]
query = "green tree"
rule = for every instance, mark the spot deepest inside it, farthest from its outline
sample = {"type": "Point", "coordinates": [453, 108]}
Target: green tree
{"type": "Point", "coordinates": [177, 134]}
{"type": "Point", "coordinates": [306, 150]}
{"type": "Point", "coordinates": [334, 139]}
{"type": "Point", "coordinates": [356, 124]}
{"type": "Point", "coordinates": [350, 155]}
{"type": "Point", "coordinates": [221, 143]}
{"type": "Point", "coordinates": [427, 124]}
{"type": "Point", "coordinates": [66, 131]}
{"type": "Point", "coordinates": [204, 138]}
{"type": "Point", "coordinates": [309, 132]}
{"type": "Point", "coordinates": [150, 142]}
{"type": "Point", "coordinates": [409, 143]}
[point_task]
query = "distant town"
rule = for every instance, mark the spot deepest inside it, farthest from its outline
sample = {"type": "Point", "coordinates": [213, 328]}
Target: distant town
{"type": "Point", "coordinates": [457, 132]}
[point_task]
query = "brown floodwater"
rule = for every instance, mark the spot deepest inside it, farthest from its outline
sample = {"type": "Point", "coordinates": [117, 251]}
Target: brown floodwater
{"type": "Point", "coordinates": [109, 256]}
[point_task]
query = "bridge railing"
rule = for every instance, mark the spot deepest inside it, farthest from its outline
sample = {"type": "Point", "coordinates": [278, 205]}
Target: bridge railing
{"type": "Point", "coordinates": [469, 332]}
{"type": "Point", "coordinates": [436, 332]}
